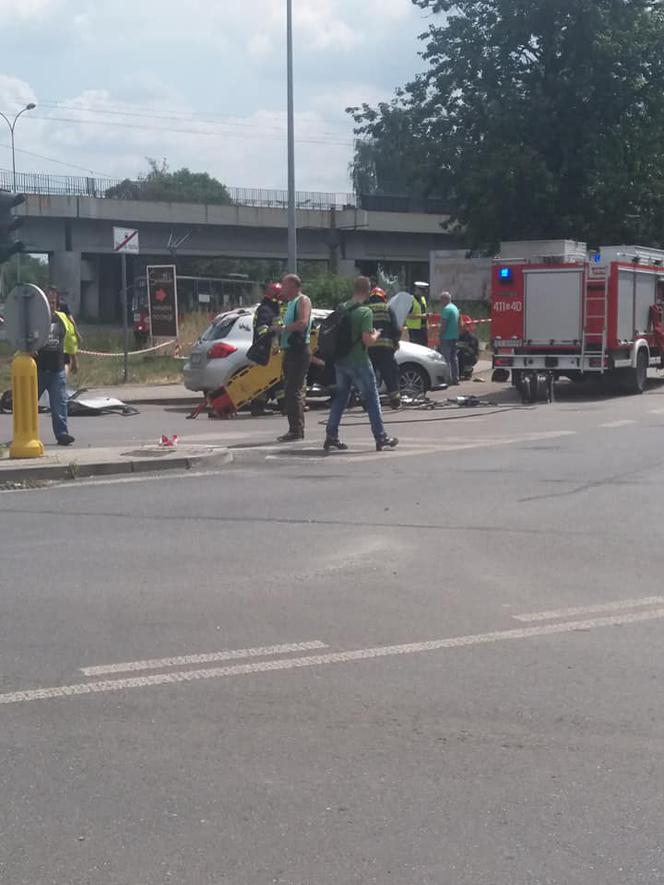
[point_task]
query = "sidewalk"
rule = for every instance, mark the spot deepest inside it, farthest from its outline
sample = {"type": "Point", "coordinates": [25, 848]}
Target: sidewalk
{"type": "Point", "coordinates": [67, 464]}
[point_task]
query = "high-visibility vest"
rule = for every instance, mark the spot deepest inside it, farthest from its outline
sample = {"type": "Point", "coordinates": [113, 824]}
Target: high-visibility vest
{"type": "Point", "coordinates": [417, 318]}
{"type": "Point", "coordinates": [70, 345]}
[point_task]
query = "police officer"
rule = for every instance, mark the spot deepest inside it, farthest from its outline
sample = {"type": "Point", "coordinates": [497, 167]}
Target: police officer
{"type": "Point", "coordinates": [416, 322]}
{"type": "Point", "coordinates": [382, 352]}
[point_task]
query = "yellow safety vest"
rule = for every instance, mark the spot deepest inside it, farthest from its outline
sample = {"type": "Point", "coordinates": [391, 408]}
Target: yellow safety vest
{"type": "Point", "coordinates": [71, 341]}
{"type": "Point", "coordinates": [417, 317]}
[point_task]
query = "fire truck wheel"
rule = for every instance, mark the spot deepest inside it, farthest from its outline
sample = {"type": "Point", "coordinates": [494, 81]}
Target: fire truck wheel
{"type": "Point", "coordinates": [635, 380]}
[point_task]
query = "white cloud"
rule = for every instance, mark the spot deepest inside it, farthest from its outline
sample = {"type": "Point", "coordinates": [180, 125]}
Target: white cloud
{"type": "Point", "coordinates": [202, 84]}
{"type": "Point", "coordinates": [14, 94]}
{"type": "Point", "coordinates": [25, 9]}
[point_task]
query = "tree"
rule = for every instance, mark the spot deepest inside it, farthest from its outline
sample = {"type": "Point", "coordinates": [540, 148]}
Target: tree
{"type": "Point", "coordinates": [181, 186]}
{"type": "Point", "coordinates": [535, 118]}
{"type": "Point", "coordinates": [33, 270]}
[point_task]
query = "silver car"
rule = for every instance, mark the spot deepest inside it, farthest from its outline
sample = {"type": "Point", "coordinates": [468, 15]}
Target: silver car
{"type": "Point", "coordinates": [221, 352]}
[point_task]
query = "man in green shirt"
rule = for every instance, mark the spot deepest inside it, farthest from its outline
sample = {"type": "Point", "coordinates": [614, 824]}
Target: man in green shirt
{"type": "Point", "coordinates": [354, 369]}
{"type": "Point", "coordinates": [449, 334]}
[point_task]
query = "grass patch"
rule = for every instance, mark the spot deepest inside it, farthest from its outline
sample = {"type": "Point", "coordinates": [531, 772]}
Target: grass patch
{"type": "Point", "coordinates": [153, 368]}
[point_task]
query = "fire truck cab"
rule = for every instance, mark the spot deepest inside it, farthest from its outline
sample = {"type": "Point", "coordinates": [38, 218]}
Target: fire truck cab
{"type": "Point", "coordinates": [558, 310]}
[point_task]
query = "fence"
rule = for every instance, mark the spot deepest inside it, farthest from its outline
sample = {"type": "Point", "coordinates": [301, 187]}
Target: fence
{"type": "Point", "coordinates": [80, 186]}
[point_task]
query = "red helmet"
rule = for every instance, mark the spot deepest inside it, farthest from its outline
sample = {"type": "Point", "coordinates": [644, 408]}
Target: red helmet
{"type": "Point", "coordinates": [273, 291]}
{"type": "Point", "coordinates": [467, 322]}
{"type": "Point", "coordinates": [377, 292]}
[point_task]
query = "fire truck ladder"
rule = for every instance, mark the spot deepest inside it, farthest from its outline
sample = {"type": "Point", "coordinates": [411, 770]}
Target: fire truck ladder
{"type": "Point", "coordinates": [595, 312]}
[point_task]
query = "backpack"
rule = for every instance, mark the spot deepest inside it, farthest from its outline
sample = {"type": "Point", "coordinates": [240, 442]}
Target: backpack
{"type": "Point", "coordinates": [335, 335]}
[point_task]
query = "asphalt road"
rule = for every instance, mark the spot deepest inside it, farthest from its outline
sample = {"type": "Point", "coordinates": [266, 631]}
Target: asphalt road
{"type": "Point", "coordinates": [435, 666]}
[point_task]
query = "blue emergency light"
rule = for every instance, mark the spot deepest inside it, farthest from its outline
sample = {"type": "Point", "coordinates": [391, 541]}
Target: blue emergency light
{"type": "Point", "coordinates": [505, 274]}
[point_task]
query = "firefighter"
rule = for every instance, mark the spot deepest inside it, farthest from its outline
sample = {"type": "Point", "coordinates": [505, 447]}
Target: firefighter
{"type": "Point", "coordinates": [468, 347]}
{"type": "Point", "coordinates": [383, 351]}
{"type": "Point", "coordinates": [416, 322]}
{"type": "Point", "coordinates": [266, 313]}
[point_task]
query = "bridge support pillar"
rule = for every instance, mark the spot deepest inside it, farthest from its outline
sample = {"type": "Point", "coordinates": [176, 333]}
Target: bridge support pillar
{"type": "Point", "coordinates": [65, 272]}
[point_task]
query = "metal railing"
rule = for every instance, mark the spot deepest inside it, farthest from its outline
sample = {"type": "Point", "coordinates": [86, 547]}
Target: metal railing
{"type": "Point", "coordinates": [101, 188]}
{"type": "Point", "coordinates": [79, 186]}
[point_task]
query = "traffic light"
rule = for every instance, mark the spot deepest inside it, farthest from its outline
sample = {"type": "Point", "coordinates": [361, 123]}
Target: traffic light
{"type": "Point", "coordinates": [8, 224]}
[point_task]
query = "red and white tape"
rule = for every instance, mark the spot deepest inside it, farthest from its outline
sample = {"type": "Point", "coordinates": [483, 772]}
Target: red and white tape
{"type": "Point", "coordinates": [133, 352]}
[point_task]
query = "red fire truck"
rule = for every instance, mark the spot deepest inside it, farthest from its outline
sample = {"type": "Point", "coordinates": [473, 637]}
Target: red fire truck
{"type": "Point", "coordinates": [559, 311]}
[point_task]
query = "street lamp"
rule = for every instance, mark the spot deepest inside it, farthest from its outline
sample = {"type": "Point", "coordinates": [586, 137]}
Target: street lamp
{"type": "Point", "coordinates": [292, 216]}
{"type": "Point", "coordinates": [12, 125]}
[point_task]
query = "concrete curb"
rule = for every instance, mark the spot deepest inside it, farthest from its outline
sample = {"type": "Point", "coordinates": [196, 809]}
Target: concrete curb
{"type": "Point", "coordinates": [170, 460]}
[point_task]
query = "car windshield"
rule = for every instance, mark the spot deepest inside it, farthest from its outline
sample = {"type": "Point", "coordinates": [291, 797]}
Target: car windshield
{"type": "Point", "coordinates": [219, 329]}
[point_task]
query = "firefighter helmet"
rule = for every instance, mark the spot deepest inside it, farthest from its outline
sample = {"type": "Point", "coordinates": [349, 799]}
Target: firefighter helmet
{"type": "Point", "coordinates": [377, 292]}
{"type": "Point", "coordinates": [273, 291]}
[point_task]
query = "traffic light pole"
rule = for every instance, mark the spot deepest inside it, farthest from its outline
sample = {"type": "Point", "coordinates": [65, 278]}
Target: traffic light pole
{"type": "Point", "coordinates": [292, 210]}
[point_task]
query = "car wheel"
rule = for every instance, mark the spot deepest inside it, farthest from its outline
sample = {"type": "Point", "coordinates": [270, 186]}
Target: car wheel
{"type": "Point", "coordinates": [413, 380]}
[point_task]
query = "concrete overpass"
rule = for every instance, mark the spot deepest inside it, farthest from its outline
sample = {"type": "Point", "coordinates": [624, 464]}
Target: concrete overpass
{"type": "Point", "coordinates": [77, 234]}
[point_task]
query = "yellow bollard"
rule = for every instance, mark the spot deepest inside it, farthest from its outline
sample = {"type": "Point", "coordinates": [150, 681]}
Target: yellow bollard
{"type": "Point", "coordinates": [26, 442]}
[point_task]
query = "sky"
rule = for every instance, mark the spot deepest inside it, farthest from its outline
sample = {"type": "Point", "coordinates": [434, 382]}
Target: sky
{"type": "Point", "coordinates": [200, 83]}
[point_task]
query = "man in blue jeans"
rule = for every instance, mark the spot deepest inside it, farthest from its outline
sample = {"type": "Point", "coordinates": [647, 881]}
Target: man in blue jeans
{"type": "Point", "coordinates": [354, 369]}
{"type": "Point", "coordinates": [51, 372]}
{"type": "Point", "coordinates": [449, 334]}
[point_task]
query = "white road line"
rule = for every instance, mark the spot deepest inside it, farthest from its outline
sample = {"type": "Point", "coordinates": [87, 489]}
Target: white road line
{"type": "Point", "coordinates": [611, 425]}
{"type": "Point", "coordinates": [656, 411]}
{"type": "Point", "coordinates": [620, 605]}
{"type": "Point", "coordinates": [185, 660]}
{"type": "Point", "coordinates": [343, 657]}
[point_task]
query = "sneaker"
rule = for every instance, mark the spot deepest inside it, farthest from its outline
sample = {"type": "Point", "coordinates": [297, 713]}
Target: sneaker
{"type": "Point", "coordinates": [331, 443]}
{"type": "Point", "coordinates": [387, 442]}
{"type": "Point", "coordinates": [290, 437]}
{"type": "Point", "coordinates": [65, 440]}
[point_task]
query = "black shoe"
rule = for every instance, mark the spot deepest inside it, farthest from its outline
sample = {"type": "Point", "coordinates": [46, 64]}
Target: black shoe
{"type": "Point", "coordinates": [387, 442]}
{"type": "Point", "coordinates": [65, 440]}
{"type": "Point", "coordinates": [290, 437]}
{"type": "Point", "coordinates": [331, 443]}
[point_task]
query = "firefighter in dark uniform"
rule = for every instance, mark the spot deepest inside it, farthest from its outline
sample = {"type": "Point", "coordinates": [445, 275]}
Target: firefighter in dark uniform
{"type": "Point", "coordinates": [383, 352]}
{"type": "Point", "coordinates": [468, 347]}
{"type": "Point", "coordinates": [266, 313]}
{"type": "Point", "coordinates": [416, 322]}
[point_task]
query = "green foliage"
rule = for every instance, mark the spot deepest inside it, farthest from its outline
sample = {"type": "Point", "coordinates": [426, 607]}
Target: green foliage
{"type": "Point", "coordinates": [32, 271]}
{"type": "Point", "coordinates": [327, 290]}
{"type": "Point", "coordinates": [159, 184]}
{"type": "Point", "coordinates": [534, 118]}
